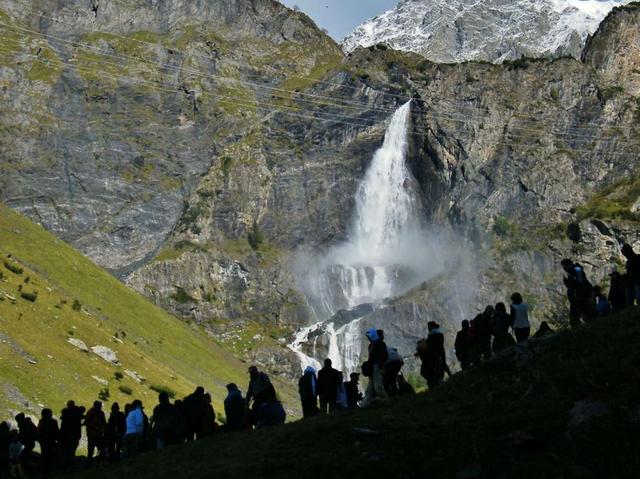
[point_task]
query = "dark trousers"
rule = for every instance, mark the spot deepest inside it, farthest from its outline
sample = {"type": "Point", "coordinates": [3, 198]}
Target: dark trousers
{"type": "Point", "coordinates": [390, 377]}
{"type": "Point", "coordinates": [327, 406]}
{"type": "Point", "coordinates": [95, 443]}
{"type": "Point", "coordinates": [522, 334]}
{"type": "Point", "coordinates": [49, 457]}
{"type": "Point", "coordinates": [114, 447]}
{"type": "Point", "coordinates": [580, 309]}
{"type": "Point", "coordinates": [310, 409]}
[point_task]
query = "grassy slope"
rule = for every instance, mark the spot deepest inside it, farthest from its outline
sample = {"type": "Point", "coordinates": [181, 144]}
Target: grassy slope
{"type": "Point", "coordinates": [161, 348]}
{"type": "Point", "coordinates": [498, 421]}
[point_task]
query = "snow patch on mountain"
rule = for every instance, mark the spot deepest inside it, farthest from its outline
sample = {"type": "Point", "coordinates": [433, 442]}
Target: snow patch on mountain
{"type": "Point", "coordinates": [490, 30]}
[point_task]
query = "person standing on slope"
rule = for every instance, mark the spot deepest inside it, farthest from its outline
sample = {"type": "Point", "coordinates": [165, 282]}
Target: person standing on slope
{"type": "Point", "coordinates": [375, 368]}
{"type": "Point", "coordinates": [633, 274]}
{"type": "Point", "coordinates": [520, 318]}
{"type": "Point", "coordinates": [328, 382]}
{"type": "Point", "coordinates": [308, 390]}
{"type": "Point", "coordinates": [257, 390]}
{"type": "Point", "coordinates": [578, 292]}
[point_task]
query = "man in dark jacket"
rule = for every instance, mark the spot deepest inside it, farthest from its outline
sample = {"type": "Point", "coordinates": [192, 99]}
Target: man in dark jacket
{"type": "Point", "coordinates": [48, 435]}
{"type": "Point", "coordinates": [328, 382]}
{"type": "Point", "coordinates": [434, 360]}
{"type": "Point", "coordinates": [116, 427]}
{"type": "Point", "coordinates": [352, 389]}
{"type": "Point", "coordinates": [70, 432]}
{"type": "Point", "coordinates": [617, 291]}
{"type": "Point", "coordinates": [308, 390]}
{"type": "Point", "coordinates": [165, 422]}
{"type": "Point", "coordinates": [234, 408]}
{"type": "Point", "coordinates": [578, 292]}
{"type": "Point", "coordinates": [463, 345]}
{"type": "Point", "coordinates": [377, 358]}
{"type": "Point", "coordinates": [96, 425]}
{"type": "Point", "coordinates": [633, 274]}
{"type": "Point", "coordinates": [28, 437]}
{"type": "Point", "coordinates": [258, 389]}
{"type": "Point", "coordinates": [194, 409]}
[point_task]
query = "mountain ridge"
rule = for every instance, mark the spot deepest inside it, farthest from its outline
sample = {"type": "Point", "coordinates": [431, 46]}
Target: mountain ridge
{"type": "Point", "coordinates": [487, 30]}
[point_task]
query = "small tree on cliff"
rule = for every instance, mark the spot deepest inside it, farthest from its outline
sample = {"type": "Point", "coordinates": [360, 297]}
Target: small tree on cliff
{"type": "Point", "coordinates": [255, 237]}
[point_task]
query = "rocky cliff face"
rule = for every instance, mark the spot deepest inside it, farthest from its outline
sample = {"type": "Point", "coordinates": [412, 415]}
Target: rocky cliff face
{"type": "Point", "coordinates": [198, 158]}
{"type": "Point", "coordinates": [490, 30]}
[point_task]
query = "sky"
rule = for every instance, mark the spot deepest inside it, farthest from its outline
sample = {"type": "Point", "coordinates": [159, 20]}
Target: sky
{"type": "Point", "coordinates": [340, 17]}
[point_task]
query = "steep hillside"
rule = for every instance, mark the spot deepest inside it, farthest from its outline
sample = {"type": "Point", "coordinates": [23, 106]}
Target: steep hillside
{"type": "Point", "coordinates": [197, 148]}
{"type": "Point", "coordinates": [563, 406]}
{"type": "Point", "coordinates": [51, 296]}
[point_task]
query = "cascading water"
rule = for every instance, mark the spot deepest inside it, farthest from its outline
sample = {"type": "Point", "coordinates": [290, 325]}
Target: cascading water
{"type": "Point", "coordinates": [372, 265]}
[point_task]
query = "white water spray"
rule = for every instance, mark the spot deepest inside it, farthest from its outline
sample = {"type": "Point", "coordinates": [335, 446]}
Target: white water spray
{"type": "Point", "coordinates": [380, 259]}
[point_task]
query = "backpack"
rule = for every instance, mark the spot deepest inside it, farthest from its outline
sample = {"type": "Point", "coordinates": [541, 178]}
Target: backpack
{"type": "Point", "coordinates": [367, 369]}
{"type": "Point", "coordinates": [422, 346]}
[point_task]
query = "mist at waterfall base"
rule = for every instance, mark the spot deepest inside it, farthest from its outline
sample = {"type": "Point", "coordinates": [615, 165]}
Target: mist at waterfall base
{"type": "Point", "coordinates": [389, 250]}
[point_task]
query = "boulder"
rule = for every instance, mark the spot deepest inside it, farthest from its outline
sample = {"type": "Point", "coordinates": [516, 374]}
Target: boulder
{"type": "Point", "coordinates": [78, 343]}
{"type": "Point", "coordinates": [135, 376]}
{"type": "Point", "coordinates": [105, 353]}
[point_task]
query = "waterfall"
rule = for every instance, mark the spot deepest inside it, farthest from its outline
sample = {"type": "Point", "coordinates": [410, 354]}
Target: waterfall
{"type": "Point", "coordinates": [386, 205]}
{"type": "Point", "coordinates": [377, 261]}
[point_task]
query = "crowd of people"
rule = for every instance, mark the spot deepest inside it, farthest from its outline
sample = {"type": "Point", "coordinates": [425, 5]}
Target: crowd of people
{"type": "Point", "coordinates": [128, 432]}
{"type": "Point", "coordinates": [488, 333]}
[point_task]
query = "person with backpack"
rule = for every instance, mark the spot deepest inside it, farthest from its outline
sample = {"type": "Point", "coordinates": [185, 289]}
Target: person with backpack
{"type": "Point", "coordinates": [632, 274]}
{"type": "Point", "coordinates": [70, 432]}
{"type": "Point", "coordinates": [114, 432]}
{"type": "Point", "coordinates": [483, 333]}
{"type": "Point", "coordinates": [433, 356]}
{"type": "Point", "coordinates": [259, 383]}
{"type": "Point", "coordinates": [391, 370]}
{"type": "Point", "coordinates": [328, 382]}
{"type": "Point", "coordinates": [234, 408]}
{"type": "Point", "coordinates": [502, 339]}
{"type": "Point", "coordinates": [617, 291]}
{"type": "Point", "coordinates": [28, 437]}
{"type": "Point", "coordinates": [165, 422]}
{"type": "Point", "coordinates": [463, 345]}
{"type": "Point", "coordinates": [578, 292]}
{"type": "Point", "coordinates": [48, 435]}
{"type": "Point", "coordinates": [194, 409]}
{"type": "Point", "coordinates": [96, 424]}
{"type": "Point", "coordinates": [270, 413]}
{"type": "Point", "coordinates": [341, 399]}
{"type": "Point", "coordinates": [520, 318]}
{"type": "Point", "coordinates": [602, 307]}
{"type": "Point", "coordinates": [308, 390]}
{"type": "Point", "coordinates": [374, 369]}
{"type": "Point", "coordinates": [352, 388]}
{"type": "Point", "coordinates": [16, 449]}
{"type": "Point", "coordinates": [209, 424]}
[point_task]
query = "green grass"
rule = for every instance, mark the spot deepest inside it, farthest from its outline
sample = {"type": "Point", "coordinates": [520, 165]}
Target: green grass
{"type": "Point", "coordinates": [613, 201]}
{"type": "Point", "coordinates": [77, 299]}
{"type": "Point", "coordinates": [505, 419]}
